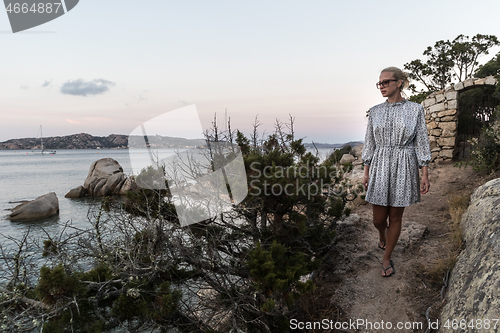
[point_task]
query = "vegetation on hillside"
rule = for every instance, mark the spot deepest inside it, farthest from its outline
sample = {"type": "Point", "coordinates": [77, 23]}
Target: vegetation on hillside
{"type": "Point", "coordinates": [137, 269]}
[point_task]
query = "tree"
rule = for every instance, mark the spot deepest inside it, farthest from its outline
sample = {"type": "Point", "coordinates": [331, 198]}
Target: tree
{"type": "Point", "coordinates": [485, 105]}
{"type": "Point", "coordinates": [136, 268]}
{"type": "Point", "coordinates": [465, 54]}
{"type": "Point", "coordinates": [447, 62]}
{"type": "Point", "coordinates": [492, 67]}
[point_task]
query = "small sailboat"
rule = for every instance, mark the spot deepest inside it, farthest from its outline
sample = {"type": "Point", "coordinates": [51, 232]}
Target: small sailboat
{"type": "Point", "coordinates": [44, 151]}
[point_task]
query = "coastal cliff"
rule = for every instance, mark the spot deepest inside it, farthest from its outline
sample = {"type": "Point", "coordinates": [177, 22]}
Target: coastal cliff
{"type": "Point", "coordinates": [473, 294]}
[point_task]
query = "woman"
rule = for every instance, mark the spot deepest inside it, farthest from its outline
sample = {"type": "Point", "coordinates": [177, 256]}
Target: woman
{"type": "Point", "coordinates": [396, 146]}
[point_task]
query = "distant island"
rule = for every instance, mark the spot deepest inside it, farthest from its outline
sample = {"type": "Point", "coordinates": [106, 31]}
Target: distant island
{"type": "Point", "coordinates": [120, 141]}
{"type": "Point", "coordinates": [87, 141]}
{"type": "Point", "coordinates": [332, 145]}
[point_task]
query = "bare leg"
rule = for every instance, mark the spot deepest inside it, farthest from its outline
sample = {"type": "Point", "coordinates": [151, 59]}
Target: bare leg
{"type": "Point", "coordinates": [393, 232]}
{"type": "Point", "coordinates": [380, 214]}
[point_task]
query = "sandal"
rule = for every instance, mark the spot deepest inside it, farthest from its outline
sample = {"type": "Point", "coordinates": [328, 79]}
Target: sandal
{"type": "Point", "coordinates": [381, 247]}
{"type": "Point", "coordinates": [385, 270]}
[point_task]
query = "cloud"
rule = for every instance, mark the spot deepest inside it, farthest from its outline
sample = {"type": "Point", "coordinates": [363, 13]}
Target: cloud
{"type": "Point", "coordinates": [46, 83]}
{"type": "Point", "coordinates": [25, 87]}
{"type": "Point", "coordinates": [83, 88]}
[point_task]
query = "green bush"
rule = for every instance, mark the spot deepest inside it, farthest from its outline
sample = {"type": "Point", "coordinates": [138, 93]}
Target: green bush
{"type": "Point", "coordinates": [485, 151]}
{"type": "Point", "coordinates": [56, 284]}
{"type": "Point", "coordinates": [348, 167]}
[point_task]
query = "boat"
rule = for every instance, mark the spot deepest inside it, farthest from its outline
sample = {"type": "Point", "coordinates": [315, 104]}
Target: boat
{"type": "Point", "coordinates": [44, 151]}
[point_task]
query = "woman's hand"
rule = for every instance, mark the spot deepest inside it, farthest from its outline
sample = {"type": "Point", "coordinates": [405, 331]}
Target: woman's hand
{"type": "Point", "coordinates": [366, 177]}
{"type": "Point", "coordinates": [424, 183]}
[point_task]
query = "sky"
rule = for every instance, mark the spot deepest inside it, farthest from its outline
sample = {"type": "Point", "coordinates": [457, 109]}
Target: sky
{"type": "Point", "coordinates": [108, 66]}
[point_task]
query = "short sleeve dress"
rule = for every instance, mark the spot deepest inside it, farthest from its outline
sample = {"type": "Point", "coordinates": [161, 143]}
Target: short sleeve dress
{"type": "Point", "coordinates": [396, 146]}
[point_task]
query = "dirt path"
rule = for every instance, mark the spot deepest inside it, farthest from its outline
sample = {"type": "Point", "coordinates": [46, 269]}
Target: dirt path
{"type": "Point", "coordinates": [363, 294]}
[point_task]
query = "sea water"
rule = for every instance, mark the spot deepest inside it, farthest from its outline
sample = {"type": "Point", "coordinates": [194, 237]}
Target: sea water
{"type": "Point", "coordinates": [26, 175]}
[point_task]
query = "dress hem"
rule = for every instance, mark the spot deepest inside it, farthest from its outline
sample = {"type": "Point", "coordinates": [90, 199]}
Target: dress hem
{"type": "Point", "coordinates": [385, 205]}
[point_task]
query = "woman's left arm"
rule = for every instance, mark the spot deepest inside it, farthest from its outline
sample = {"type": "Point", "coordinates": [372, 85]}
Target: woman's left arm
{"type": "Point", "coordinates": [423, 150]}
{"type": "Point", "coordinates": [422, 146]}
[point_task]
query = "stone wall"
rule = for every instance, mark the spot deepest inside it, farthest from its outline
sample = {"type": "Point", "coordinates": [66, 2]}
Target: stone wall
{"type": "Point", "coordinates": [441, 116]}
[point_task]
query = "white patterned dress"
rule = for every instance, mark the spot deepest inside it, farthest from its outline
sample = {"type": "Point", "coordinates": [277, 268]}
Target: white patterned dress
{"type": "Point", "coordinates": [396, 146]}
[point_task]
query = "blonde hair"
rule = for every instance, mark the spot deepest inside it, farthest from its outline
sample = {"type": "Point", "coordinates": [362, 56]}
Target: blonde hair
{"type": "Point", "coordinates": [398, 74]}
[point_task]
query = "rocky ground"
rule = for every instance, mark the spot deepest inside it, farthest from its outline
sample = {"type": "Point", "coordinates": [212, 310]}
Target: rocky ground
{"type": "Point", "coordinates": [361, 293]}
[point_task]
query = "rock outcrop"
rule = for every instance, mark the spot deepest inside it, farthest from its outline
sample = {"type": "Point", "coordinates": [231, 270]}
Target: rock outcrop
{"type": "Point", "coordinates": [105, 178]}
{"type": "Point", "coordinates": [347, 158]}
{"type": "Point", "coordinates": [77, 192]}
{"type": "Point", "coordinates": [357, 151]}
{"type": "Point", "coordinates": [474, 285]}
{"type": "Point", "coordinates": [43, 206]}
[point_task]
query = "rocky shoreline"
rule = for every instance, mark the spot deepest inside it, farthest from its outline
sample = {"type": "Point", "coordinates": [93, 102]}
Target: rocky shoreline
{"type": "Point", "coordinates": [105, 178]}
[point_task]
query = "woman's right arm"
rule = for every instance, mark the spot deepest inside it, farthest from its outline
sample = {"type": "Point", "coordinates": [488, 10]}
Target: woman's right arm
{"type": "Point", "coordinates": [368, 149]}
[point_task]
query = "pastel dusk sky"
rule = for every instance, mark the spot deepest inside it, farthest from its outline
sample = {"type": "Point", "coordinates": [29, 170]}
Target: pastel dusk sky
{"type": "Point", "coordinates": [108, 66]}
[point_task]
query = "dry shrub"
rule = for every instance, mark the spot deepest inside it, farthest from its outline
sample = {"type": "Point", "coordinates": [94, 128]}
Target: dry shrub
{"type": "Point", "coordinates": [457, 205]}
{"type": "Point", "coordinates": [316, 305]}
{"type": "Point", "coordinates": [435, 272]}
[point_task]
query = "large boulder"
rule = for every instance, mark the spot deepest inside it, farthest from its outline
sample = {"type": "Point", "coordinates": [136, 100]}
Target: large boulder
{"type": "Point", "coordinates": [347, 158]}
{"type": "Point", "coordinates": [43, 206]}
{"type": "Point", "coordinates": [77, 192]}
{"type": "Point", "coordinates": [474, 285]}
{"type": "Point", "coordinates": [105, 178]}
{"type": "Point", "coordinates": [128, 185]}
{"type": "Point", "coordinates": [357, 151]}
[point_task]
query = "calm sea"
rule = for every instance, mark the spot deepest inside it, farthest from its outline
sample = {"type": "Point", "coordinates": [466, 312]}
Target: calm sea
{"type": "Point", "coordinates": [25, 175]}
